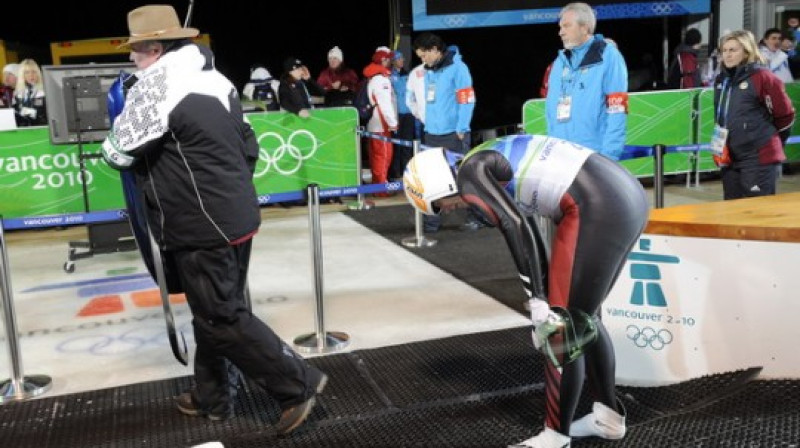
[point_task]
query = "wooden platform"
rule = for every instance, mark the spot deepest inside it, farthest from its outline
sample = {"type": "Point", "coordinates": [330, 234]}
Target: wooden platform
{"type": "Point", "coordinates": [768, 218]}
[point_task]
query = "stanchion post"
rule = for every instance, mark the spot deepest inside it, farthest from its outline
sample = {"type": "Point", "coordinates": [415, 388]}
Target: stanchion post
{"type": "Point", "coordinates": [658, 175]}
{"type": "Point", "coordinates": [18, 387]}
{"type": "Point", "coordinates": [419, 239]}
{"type": "Point", "coordinates": [360, 203]}
{"type": "Point", "coordinates": [320, 341]}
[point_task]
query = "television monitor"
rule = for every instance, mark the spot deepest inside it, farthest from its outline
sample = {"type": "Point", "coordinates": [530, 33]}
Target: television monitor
{"type": "Point", "coordinates": [76, 100]}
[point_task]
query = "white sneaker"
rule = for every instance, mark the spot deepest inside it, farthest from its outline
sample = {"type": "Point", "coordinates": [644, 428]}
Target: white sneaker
{"type": "Point", "coordinates": [549, 438]}
{"type": "Point", "coordinates": [601, 422]}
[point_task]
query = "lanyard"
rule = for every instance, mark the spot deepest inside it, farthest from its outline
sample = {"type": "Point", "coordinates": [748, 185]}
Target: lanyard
{"type": "Point", "coordinates": [723, 118]}
{"type": "Point", "coordinates": [30, 93]}
{"type": "Point", "coordinates": [569, 76]}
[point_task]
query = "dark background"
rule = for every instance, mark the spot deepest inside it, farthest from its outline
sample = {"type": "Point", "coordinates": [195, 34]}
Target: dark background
{"type": "Point", "coordinates": [507, 63]}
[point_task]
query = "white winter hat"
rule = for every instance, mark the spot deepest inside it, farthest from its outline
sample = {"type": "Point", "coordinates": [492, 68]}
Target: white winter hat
{"type": "Point", "coordinates": [11, 68]}
{"type": "Point", "coordinates": [260, 74]}
{"type": "Point", "coordinates": [335, 52]}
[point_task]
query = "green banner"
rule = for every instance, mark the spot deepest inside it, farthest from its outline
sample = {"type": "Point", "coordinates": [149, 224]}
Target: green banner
{"type": "Point", "coordinates": [705, 127]}
{"type": "Point", "coordinates": [38, 178]}
{"type": "Point", "coordinates": [793, 149]}
{"type": "Point", "coordinates": [653, 117]}
{"type": "Point", "coordinates": [295, 152]}
{"type": "Point", "coordinates": [667, 117]}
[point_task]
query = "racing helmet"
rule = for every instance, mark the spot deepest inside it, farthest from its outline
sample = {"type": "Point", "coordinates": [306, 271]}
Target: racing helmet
{"type": "Point", "coordinates": [565, 339]}
{"type": "Point", "coordinates": [428, 177]}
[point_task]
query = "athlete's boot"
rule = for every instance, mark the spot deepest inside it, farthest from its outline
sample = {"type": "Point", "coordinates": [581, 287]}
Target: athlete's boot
{"type": "Point", "coordinates": [602, 422]}
{"type": "Point", "coordinates": [549, 438]}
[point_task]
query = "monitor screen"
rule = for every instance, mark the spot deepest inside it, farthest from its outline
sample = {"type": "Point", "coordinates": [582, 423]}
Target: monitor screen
{"type": "Point", "coordinates": [76, 100]}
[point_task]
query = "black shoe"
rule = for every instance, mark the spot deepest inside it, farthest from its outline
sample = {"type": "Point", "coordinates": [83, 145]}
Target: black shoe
{"type": "Point", "coordinates": [185, 403]}
{"type": "Point", "coordinates": [294, 416]}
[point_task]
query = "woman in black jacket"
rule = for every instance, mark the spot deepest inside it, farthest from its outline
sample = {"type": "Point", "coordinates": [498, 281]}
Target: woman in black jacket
{"type": "Point", "coordinates": [297, 88]}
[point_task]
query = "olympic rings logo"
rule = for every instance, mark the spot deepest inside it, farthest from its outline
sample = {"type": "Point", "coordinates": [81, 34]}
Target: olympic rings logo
{"type": "Point", "coordinates": [649, 337]}
{"type": "Point", "coordinates": [662, 8]}
{"type": "Point", "coordinates": [455, 21]}
{"type": "Point", "coordinates": [273, 156]}
{"type": "Point", "coordinates": [394, 186]}
{"type": "Point", "coordinates": [131, 341]}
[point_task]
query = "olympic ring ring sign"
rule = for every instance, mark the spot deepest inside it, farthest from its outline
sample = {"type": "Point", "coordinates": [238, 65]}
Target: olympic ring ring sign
{"type": "Point", "coordinates": [649, 337]}
{"type": "Point", "coordinates": [287, 156]}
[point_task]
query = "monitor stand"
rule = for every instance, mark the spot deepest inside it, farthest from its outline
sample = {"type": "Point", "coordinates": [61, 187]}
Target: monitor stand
{"type": "Point", "coordinates": [106, 237]}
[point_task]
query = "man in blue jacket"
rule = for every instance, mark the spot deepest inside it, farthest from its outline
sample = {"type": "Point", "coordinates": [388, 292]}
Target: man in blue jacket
{"type": "Point", "coordinates": [587, 99]}
{"type": "Point", "coordinates": [449, 103]}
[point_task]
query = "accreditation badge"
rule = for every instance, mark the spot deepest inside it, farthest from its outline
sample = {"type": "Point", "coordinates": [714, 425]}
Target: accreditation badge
{"type": "Point", "coordinates": [718, 139]}
{"type": "Point", "coordinates": [563, 108]}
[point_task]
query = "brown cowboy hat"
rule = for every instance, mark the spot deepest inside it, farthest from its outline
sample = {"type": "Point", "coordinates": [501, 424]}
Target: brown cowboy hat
{"type": "Point", "coordinates": [156, 22]}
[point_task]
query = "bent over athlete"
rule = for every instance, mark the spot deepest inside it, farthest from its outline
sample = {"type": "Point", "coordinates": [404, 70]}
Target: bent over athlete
{"type": "Point", "coordinates": [600, 211]}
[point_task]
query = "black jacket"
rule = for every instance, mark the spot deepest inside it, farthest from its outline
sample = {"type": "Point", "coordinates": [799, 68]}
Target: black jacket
{"type": "Point", "coordinates": [296, 95]}
{"type": "Point", "coordinates": [182, 130]}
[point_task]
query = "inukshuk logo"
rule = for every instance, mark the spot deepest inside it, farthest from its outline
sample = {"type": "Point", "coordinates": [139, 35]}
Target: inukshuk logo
{"type": "Point", "coordinates": [647, 275]}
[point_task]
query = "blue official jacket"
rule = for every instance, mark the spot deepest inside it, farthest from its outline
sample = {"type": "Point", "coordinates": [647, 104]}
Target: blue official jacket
{"type": "Point", "coordinates": [595, 78]}
{"type": "Point", "coordinates": [453, 102]}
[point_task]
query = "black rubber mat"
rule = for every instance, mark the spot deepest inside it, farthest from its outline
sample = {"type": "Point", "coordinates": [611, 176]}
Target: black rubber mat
{"type": "Point", "coordinates": [478, 390]}
{"type": "Point", "coordinates": [480, 258]}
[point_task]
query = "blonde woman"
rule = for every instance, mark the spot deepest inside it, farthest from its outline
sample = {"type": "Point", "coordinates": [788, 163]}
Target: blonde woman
{"type": "Point", "coordinates": [752, 121]}
{"type": "Point", "coordinates": [29, 100]}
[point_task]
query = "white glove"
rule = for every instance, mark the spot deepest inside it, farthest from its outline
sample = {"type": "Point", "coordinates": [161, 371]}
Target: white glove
{"type": "Point", "coordinates": [540, 313]}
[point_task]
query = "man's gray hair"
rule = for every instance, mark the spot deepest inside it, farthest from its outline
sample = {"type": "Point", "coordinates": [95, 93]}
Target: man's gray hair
{"type": "Point", "coordinates": [584, 15]}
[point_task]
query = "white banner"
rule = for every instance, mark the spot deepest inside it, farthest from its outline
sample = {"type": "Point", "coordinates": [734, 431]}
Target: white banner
{"type": "Point", "coordinates": [687, 307]}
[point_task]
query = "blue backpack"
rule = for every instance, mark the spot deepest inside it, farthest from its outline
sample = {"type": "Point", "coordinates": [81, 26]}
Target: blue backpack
{"type": "Point", "coordinates": [362, 103]}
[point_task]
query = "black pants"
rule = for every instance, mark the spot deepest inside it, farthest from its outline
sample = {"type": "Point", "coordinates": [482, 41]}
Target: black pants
{"type": "Point", "coordinates": [226, 331]}
{"type": "Point", "coordinates": [402, 154]}
{"type": "Point", "coordinates": [748, 182]}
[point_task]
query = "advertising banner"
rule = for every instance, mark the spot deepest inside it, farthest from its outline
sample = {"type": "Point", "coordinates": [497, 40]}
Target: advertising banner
{"type": "Point", "coordinates": [683, 307]}
{"type": "Point", "coordinates": [664, 117]}
{"type": "Point", "coordinates": [295, 152]}
{"type": "Point", "coordinates": [38, 178]}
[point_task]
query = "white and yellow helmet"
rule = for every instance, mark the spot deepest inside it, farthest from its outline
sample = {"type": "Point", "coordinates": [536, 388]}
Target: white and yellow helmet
{"type": "Point", "coordinates": [428, 177]}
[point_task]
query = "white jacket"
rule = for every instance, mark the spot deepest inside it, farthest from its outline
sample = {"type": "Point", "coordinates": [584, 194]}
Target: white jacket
{"type": "Point", "coordinates": [415, 92]}
{"type": "Point", "coordinates": [382, 95]}
{"type": "Point", "coordinates": [778, 63]}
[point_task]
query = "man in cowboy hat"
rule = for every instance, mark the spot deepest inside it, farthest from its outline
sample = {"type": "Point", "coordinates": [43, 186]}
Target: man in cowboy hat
{"type": "Point", "coordinates": [183, 134]}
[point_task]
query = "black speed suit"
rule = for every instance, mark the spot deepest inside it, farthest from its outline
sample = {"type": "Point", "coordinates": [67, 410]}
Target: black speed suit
{"type": "Point", "coordinates": [600, 211]}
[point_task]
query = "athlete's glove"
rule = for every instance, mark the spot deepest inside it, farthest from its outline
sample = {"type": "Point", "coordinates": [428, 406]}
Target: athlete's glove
{"type": "Point", "coordinates": [540, 313]}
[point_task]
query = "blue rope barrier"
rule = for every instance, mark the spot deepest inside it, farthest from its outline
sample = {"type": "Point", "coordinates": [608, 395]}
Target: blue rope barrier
{"type": "Point", "coordinates": [630, 152]}
{"type": "Point", "coordinates": [634, 151]}
{"type": "Point", "coordinates": [71, 219]}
